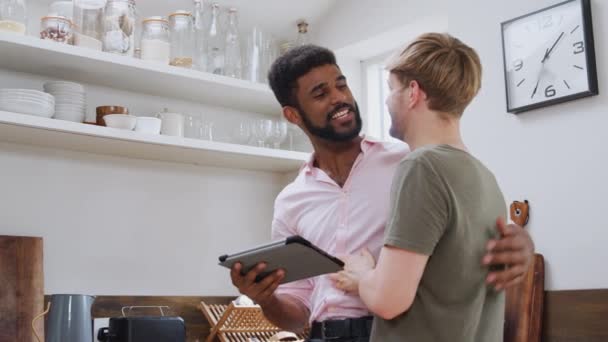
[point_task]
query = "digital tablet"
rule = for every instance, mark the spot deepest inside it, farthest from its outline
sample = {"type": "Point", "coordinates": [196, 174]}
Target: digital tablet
{"type": "Point", "coordinates": [297, 256]}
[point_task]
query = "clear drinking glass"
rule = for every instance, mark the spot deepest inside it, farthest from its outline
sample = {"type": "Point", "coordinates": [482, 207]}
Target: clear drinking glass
{"type": "Point", "coordinates": [207, 130]}
{"type": "Point", "coordinates": [13, 16]}
{"type": "Point", "coordinates": [192, 127]}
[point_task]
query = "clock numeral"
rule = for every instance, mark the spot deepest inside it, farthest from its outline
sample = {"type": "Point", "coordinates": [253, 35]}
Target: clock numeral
{"type": "Point", "coordinates": [547, 21]}
{"type": "Point", "coordinates": [579, 47]}
{"type": "Point", "coordinates": [550, 91]}
{"type": "Point", "coordinates": [518, 64]}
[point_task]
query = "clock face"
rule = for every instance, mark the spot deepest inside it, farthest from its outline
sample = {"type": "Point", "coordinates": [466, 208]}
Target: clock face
{"type": "Point", "coordinates": [546, 56]}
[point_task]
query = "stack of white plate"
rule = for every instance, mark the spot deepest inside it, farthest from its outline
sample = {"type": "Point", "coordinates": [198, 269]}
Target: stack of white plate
{"type": "Point", "coordinates": [70, 100]}
{"type": "Point", "coordinates": [26, 101]}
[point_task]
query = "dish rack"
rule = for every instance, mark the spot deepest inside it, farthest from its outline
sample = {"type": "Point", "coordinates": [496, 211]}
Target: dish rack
{"type": "Point", "coordinates": [231, 323]}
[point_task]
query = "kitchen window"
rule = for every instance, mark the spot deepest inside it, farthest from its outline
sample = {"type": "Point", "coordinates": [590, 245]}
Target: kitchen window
{"type": "Point", "coordinates": [375, 89]}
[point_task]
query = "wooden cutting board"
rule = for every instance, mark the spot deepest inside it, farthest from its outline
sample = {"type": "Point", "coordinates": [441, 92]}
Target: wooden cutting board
{"type": "Point", "coordinates": [21, 288]}
{"type": "Point", "coordinates": [524, 305]}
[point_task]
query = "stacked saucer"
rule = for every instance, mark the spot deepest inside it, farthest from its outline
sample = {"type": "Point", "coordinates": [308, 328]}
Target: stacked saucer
{"type": "Point", "coordinates": [70, 100]}
{"type": "Point", "coordinates": [26, 101]}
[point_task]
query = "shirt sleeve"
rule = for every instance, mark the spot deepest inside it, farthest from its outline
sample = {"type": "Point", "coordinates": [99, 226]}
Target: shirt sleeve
{"type": "Point", "coordinates": [419, 208]}
{"type": "Point", "coordinates": [301, 290]}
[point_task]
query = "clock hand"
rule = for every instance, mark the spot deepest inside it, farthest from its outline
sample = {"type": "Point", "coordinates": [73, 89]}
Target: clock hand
{"type": "Point", "coordinates": [535, 88]}
{"type": "Point", "coordinates": [548, 53]}
{"type": "Point", "coordinates": [540, 73]}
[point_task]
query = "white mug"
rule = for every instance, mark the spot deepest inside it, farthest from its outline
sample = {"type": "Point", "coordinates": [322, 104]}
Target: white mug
{"type": "Point", "coordinates": [172, 124]}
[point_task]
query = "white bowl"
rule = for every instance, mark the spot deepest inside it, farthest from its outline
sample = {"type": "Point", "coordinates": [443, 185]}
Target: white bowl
{"type": "Point", "coordinates": [148, 125]}
{"type": "Point", "coordinates": [121, 121]}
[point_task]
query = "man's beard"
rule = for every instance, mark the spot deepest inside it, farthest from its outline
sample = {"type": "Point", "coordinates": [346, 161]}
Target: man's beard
{"type": "Point", "coordinates": [328, 132]}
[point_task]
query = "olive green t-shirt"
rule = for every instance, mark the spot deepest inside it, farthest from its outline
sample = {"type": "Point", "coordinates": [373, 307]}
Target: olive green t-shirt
{"type": "Point", "coordinates": [444, 204]}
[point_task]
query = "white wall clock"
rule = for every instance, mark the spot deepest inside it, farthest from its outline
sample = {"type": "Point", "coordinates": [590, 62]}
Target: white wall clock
{"type": "Point", "coordinates": [549, 56]}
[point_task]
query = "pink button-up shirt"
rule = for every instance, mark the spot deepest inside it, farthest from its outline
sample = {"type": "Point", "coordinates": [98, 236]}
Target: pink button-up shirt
{"type": "Point", "coordinates": [339, 220]}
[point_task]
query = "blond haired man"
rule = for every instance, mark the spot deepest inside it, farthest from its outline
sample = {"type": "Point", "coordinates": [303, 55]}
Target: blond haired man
{"type": "Point", "coordinates": [428, 283]}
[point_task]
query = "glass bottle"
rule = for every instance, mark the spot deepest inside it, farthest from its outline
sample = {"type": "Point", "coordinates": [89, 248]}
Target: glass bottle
{"type": "Point", "coordinates": [202, 17]}
{"type": "Point", "coordinates": [13, 16]}
{"type": "Point", "coordinates": [233, 64]}
{"type": "Point", "coordinates": [119, 27]}
{"type": "Point", "coordinates": [253, 62]}
{"type": "Point", "coordinates": [88, 23]}
{"type": "Point", "coordinates": [155, 44]}
{"type": "Point", "coordinates": [215, 42]}
{"type": "Point", "coordinates": [182, 39]}
{"type": "Point", "coordinates": [302, 38]}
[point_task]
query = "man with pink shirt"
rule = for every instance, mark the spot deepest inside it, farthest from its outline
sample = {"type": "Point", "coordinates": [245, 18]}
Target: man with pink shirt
{"type": "Point", "coordinates": [340, 202]}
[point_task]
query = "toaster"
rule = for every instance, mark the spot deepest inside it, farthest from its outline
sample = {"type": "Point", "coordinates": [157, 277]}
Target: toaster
{"type": "Point", "coordinates": [144, 329]}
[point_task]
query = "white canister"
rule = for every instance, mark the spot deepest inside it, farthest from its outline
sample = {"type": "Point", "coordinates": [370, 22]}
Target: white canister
{"type": "Point", "coordinates": [172, 124]}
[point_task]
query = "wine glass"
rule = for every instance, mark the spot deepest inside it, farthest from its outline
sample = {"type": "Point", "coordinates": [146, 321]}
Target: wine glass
{"type": "Point", "coordinates": [242, 132]}
{"type": "Point", "coordinates": [278, 133]}
{"type": "Point", "coordinates": [261, 131]}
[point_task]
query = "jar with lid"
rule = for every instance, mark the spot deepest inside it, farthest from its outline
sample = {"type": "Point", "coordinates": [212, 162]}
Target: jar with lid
{"type": "Point", "coordinates": [182, 39]}
{"type": "Point", "coordinates": [13, 16]}
{"type": "Point", "coordinates": [88, 23]}
{"type": "Point", "coordinates": [119, 27]}
{"type": "Point", "coordinates": [155, 44]}
{"type": "Point", "coordinates": [58, 29]}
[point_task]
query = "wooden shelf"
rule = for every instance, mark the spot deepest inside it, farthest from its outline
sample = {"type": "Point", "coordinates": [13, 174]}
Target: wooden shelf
{"type": "Point", "coordinates": [44, 132]}
{"type": "Point", "coordinates": [32, 55]}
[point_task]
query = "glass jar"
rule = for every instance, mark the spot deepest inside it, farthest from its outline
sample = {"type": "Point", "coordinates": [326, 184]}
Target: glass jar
{"type": "Point", "coordinates": [119, 27]}
{"type": "Point", "coordinates": [155, 44]}
{"type": "Point", "coordinates": [58, 29]}
{"type": "Point", "coordinates": [88, 23]}
{"type": "Point", "coordinates": [182, 39]}
{"type": "Point", "coordinates": [13, 16]}
{"type": "Point", "coordinates": [62, 8]}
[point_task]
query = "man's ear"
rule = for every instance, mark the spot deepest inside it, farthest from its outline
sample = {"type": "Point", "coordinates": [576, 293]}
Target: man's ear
{"type": "Point", "coordinates": [292, 115]}
{"type": "Point", "coordinates": [417, 95]}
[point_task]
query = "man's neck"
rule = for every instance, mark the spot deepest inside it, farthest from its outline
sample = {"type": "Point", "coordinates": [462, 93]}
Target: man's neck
{"type": "Point", "coordinates": [336, 159]}
{"type": "Point", "coordinates": [436, 132]}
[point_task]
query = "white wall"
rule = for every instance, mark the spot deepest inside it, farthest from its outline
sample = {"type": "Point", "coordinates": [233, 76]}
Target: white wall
{"type": "Point", "coordinates": [553, 157]}
{"type": "Point", "coordinates": [121, 226]}
{"type": "Point", "coordinates": [133, 227]}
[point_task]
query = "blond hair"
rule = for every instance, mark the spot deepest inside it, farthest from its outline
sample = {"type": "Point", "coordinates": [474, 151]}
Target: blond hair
{"type": "Point", "coordinates": [445, 68]}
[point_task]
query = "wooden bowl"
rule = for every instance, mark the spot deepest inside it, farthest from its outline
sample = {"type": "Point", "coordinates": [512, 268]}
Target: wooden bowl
{"type": "Point", "coordinates": [106, 110]}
